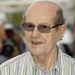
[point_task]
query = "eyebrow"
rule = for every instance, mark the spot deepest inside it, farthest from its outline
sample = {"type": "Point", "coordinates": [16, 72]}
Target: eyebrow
{"type": "Point", "coordinates": [38, 24]}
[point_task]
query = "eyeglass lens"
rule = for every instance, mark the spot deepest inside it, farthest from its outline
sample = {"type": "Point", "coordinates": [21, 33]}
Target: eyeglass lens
{"type": "Point", "coordinates": [41, 28]}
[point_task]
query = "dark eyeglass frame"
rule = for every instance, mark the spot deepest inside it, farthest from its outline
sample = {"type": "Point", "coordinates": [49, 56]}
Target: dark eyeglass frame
{"type": "Point", "coordinates": [39, 29]}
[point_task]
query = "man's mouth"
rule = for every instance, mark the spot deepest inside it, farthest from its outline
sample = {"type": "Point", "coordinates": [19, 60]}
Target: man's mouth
{"type": "Point", "coordinates": [36, 42]}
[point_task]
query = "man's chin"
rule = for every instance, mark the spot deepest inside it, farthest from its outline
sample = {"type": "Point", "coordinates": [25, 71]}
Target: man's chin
{"type": "Point", "coordinates": [36, 52]}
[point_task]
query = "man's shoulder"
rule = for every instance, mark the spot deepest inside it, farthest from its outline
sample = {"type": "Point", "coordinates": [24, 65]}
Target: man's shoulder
{"type": "Point", "coordinates": [15, 59]}
{"type": "Point", "coordinates": [68, 58]}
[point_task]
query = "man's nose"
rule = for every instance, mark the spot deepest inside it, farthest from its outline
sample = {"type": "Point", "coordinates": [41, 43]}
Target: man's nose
{"type": "Point", "coordinates": [35, 32]}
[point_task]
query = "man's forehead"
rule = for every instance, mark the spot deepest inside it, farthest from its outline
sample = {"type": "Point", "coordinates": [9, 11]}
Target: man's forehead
{"type": "Point", "coordinates": [42, 6]}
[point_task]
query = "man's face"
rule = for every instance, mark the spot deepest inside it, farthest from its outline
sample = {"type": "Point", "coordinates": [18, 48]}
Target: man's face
{"type": "Point", "coordinates": [41, 43]}
{"type": "Point", "coordinates": [1, 45]}
{"type": "Point", "coordinates": [2, 32]}
{"type": "Point", "coordinates": [73, 45]}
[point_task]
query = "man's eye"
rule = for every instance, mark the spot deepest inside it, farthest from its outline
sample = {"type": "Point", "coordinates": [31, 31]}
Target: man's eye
{"type": "Point", "coordinates": [30, 25]}
{"type": "Point", "coordinates": [44, 26]}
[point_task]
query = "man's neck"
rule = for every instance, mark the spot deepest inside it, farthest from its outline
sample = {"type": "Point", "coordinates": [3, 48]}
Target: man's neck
{"type": "Point", "coordinates": [46, 62]}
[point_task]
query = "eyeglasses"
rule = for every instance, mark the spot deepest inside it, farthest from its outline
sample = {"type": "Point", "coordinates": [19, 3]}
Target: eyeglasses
{"type": "Point", "coordinates": [41, 28]}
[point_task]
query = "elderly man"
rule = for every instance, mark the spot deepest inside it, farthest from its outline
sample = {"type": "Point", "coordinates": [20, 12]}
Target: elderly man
{"type": "Point", "coordinates": [43, 26]}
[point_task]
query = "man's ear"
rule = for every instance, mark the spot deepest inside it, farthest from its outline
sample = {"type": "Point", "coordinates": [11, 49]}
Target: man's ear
{"type": "Point", "coordinates": [62, 29]}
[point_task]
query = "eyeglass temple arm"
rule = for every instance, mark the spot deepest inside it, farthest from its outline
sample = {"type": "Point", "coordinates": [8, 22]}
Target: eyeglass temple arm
{"type": "Point", "coordinates": [56, 25]}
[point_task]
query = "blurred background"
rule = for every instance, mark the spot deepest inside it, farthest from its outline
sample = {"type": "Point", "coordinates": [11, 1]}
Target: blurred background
{"type": "Point", "coordinates": [12, 40]}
